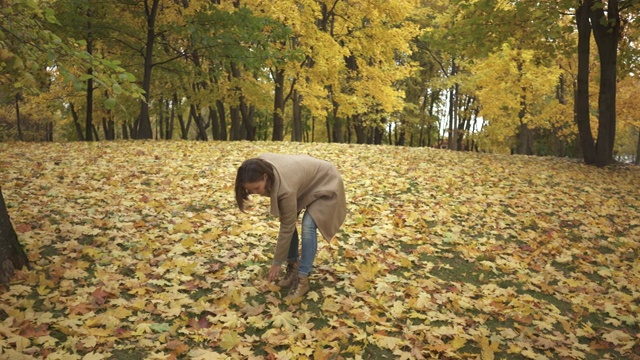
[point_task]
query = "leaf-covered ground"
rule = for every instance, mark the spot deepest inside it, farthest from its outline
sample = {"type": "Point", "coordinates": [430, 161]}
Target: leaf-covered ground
{"type": "Point", "coordinates": [138, 251]}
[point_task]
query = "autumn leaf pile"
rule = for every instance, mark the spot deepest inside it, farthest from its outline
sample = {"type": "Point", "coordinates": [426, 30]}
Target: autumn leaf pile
{"type": "Point", "coordinates": [138, 251]}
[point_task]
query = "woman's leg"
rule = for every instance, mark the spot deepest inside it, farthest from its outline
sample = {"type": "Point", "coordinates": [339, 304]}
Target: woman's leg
{"type": "Point", "coordinates": [292, 262]}
{"type": "Point", "coordinates": [309, 244]}
{"type": "Point", "coordinates": [293, 247]}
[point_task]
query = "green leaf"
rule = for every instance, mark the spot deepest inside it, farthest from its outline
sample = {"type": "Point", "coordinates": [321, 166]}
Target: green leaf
{"type": "Point", "coordinates": [117, 89]}
{"type": "Point", "coordinates": [49, 14]}
{"type": "Point", "coordinates": [110, 103]}
{"type": "Point", "coordinates": [160, 328]}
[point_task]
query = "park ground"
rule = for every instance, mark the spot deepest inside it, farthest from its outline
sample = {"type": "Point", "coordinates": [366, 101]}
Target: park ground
{"type": "Point", "coordinates": [138, 251]}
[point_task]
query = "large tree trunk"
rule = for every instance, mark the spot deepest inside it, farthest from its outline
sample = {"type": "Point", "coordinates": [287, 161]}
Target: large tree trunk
{"type": "Point", "coordinates": [143, 125]}
{"type": "Point", "coordinates": [12, 256]}
{"type": "Point", "coordinates": [607, 36]}
{"type": "Point", "coordinates": [582, 91]}
{"type": "Point", "coordinates": [237, 130]}
{"type": "Point", "coordinates": [222, 115]}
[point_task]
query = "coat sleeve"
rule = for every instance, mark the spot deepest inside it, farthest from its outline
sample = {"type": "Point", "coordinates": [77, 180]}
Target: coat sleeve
{"type": "Point", "coordinates": [288, 217]}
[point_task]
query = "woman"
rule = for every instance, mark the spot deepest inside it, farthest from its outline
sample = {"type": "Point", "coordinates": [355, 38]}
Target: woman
{"type": "Point", "coordinates": [294, 183]}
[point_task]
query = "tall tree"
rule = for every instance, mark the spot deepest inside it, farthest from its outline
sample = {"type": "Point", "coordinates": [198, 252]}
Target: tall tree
{"type": "Point", "coordinates": [582, 111]}
{"type": "Point", "coordinates": [143, 123]}
{"type": "Point", "coordinates": [607, 28]}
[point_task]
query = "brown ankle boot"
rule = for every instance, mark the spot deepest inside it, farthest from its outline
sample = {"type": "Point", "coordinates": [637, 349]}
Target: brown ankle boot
{"type": "Point", "coordinates": [299, 288]}
{"type": "Point", "coordinates": [290, 275]}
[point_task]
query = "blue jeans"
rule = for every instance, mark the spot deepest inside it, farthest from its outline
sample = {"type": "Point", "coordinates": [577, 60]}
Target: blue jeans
{"type": "Point", "coordinates": [309, 245]}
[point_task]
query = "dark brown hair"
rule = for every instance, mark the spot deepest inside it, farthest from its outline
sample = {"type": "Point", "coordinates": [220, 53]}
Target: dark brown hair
{"type": "Point", "coordinates": [251, 170]}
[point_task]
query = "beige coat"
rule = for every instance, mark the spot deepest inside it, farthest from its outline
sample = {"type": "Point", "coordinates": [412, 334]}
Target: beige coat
{"type": "Point", "coordinates": [300, 182]}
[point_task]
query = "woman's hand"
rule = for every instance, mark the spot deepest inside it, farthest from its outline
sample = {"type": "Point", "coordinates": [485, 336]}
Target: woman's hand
{"type": "Point", "coordinates": [274, 272]}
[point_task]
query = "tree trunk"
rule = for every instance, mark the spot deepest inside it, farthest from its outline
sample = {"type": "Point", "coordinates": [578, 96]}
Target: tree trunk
{"type": "Point", "coordinates": [637, 162]}
{"type": "Point", "coordinates": [453, 108]}
{"type": "Point", "coordinates": [296, 133]}
{"type": "Point", "coordinates": [378, 134]}
{"type": "Point", "coordinates": [582, 91]}
{"type": "Point", "coordinates": [222, 115]}
{"type": "Point", "coordinates": [278, 106]}
{"type": "Point", "coordinates": [95, 132]}
{"type": "Point", "coordinates": [49, 134]}
{"type": "Point", "coordinates": [248, 119]}
{"type": "Point", "coordinates": [215, 123]}
{"type": "Point", "coordinates": [88, 126]}
{"type": "Point", "coordinates": [18, 122]}
{"type": "Point", "coordinates": [12, 256]}
{"type": "Point", "coordinates": [236, 123]}
{"type": "Point", "coordinates": [402, 137]}
{"type": "Point", "coordinates": [607, 36]}
{"type": "Point", "coordinates": [184, 126]}
{"type": "Point", "coordinates": [197, 117]}
{"type": "Point", "coordinates": [143, 126]}
{"type": "Point", "coordinates": [76, 122]}
{"type": "Point", "coordinates": [170, 121]}
{"type": "Point", "coordinates": [109, 129]}
{"type": "Point", "coordinates": [361, 134]}
{"type": "Point", "coordinates": [248, 128]}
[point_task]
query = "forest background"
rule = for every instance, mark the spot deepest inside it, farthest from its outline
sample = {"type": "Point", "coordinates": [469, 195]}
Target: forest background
{"type": "Point", "coordinates": [497, 76]}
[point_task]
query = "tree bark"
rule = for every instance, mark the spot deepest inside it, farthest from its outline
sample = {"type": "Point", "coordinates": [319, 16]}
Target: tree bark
{"type": "Point", "coordinates": [202, 128]}
{"type": "Point", "coordinates": [143, 125]}
{"type": "Point", "coordinates": [89, 114]}
{"type": "Point", "coordinates": [76, 122]}
{"type": "Point", "coordinates": [607, 36]}
{"type": "Point", "coordinates": [236, 125]}
{"type": "Point", "coordinates": [582, 117]}
{"type": "Point", "coordinates": [278, 106]}
{"type": "Point", "coordinates": [12, 256]}
{"type": "Point", "coordinates": [248, 128]}
{"type": "Point", "coordinates": [361, 134]}
{"type": "Point", "coordinates": [215, 123]}
{"type": "Point", "coordinates": [222, 115]}
{"type": "Point", "coordinates": [18, 121]}
{"type": "Point", "coordinates": [296, 133]}
{"type": "Point", "coordinates": [637, 162]}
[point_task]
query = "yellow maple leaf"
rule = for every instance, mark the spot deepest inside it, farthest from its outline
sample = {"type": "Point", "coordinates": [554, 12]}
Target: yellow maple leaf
{"type": "Point", "coordinates": [285, 320]}
{"type": "Point", "coordinates": [330, 305]}
{"type": "Point", "coordinates": [143, 328]}
{"type": "Point", "coordinates": [457, 342]}
{"type": "Point", "coordinates": [487, 348]}
{"type": "Point", "coordinates": [188, 242]}
{"type": "Point", "coordinates": [182, 227]}
{"type": "Point", "coordinates": [94, 356]}
{"type": "Point", "coordinates": [387, 342]}
{"type": "Point", "coordinates": [89, 342]}
{"type": "Point", "coordinates": [202, 354]}
{"type": "Point", "coordinates": [617, 337]}
{"type": "Point", "coordinates": [362, 283]}
{"type": "Point", "coordinates": [229, 340]}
